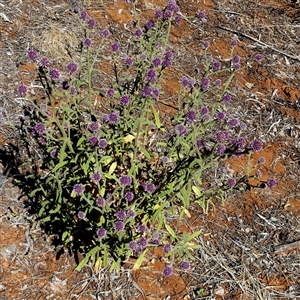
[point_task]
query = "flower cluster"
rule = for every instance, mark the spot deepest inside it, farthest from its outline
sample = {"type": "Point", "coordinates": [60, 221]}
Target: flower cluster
{"type": "Point", "coordinates": [116, 170]}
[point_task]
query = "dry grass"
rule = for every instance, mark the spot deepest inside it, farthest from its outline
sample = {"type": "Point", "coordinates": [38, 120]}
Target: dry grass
{"type": "Point", "coordinates": [237, 261]}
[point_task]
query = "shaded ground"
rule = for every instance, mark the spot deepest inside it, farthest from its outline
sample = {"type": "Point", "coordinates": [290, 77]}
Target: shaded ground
{"type": "Point", "coordinates": [241, 255]}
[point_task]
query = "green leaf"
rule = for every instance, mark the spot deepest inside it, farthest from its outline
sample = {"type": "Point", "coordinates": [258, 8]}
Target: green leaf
{"type": "Point", "coordinates": [157, 120]}
{"type": "Point", "coordinates": [87, 258]}
{"type": "Point", "coordinates": [105, 258]}
{"type": "Point", "coordinates": [59, 165]}
{"type": "Point", "coordinates": [53, 211]}
{"type": "Point", "coordinates": [80, 141]}
{"type": "Point", "coordinates": [65, 235]}
{"type": "Point", "coordinates": [139, 261]}
{"type": "Point", "coordinates": [35, 191]}
{"type": "Point", "coordinates": [146, 153]}
{"type": "Point", "coordinates": [44, 204]}
{"type": "Point", "coordinates": [197, 191]}
{"type": "Point", "coordinates": [83, 263]}
{"type": "Point", "coordinates": [106, 160]}
{"type": "Point", "coordinates": [170, 230]}
{"type": "Point", "coordinates": [112, 168]}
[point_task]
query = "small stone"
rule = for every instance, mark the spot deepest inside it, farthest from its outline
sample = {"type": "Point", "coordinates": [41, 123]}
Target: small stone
{"type": "Point", "coordinates": [219, 291]}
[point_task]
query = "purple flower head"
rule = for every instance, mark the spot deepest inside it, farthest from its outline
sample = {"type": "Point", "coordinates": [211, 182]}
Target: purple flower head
{"type": "Point", "coordinates": [222, 136]}
{"type": "Point", "coordinates": [113, 118]}
{"type": "Point", "coordinates": [155, 93]}
{"type": "Point", "coordinates": [54, 74]}
{"type": "Point", "coordinates": [83, 15]}
{"type": "Point", "coordinates": [199, 144]}
{"type": "Point", "coordinates": [129, 61]}
{"type": "Point", "coordinates": [240, 142]}
{"type": "Point", "coordinates": [110, 92]}
{"type": "Point", "coordinates": [158, 14]}
{"type": "Point", "coordinates": [129, 196]}
{"type": "Point", "coordinates": [221, 115]}
{"type": "Point", "coordinates": [94, 126]}
{"type": "Point", "coordinates": [227, 97]}
{"type": "Point", "coordinates": [80, 215]}
{"type": "Point", "coordinates": [119, 226]}
{"type": "Point", "coordinates": [143, 242]}
{"type": "Point", "coordinates": [258, 173]}
{"type": "Point", "coordinates": [185, 265]}
{"type": "Point", "coordinates": [93, 140]}
{"type": "Point", "coordinates": [168, 14]}
{"type": "Point", "coordinates": [78, 189]}
{"type": "Point", "coordinates": [231, 182]}
{"type": "Point", "coordinates": [101, 233]}
{"type": "Point", "coordinates": [206, 117]}
{"type": "Point", "coordinates": [96, 177]}
{"type": "Point", "coordinates": [177, 19]}
{"type": "Point", "coordinates": [115, 47]}
{"type": "Point", "coordinates": [150, 24]}
{"type": "Point", "coordinates": [216, 65]}
{"type": "Point", "coordinates": [167, 248]}
{"type": "Point", "coordinates": [169, 54]}
{"type": "Point", "coordinates": [155, 238]}
{"type": "Point", "coordinates": [100, 202]}
{"type": "Point", "coordinates": [150, 188]}
{"type": "Point", "coordinates": [172, 6]}
{"type": "Point", "coordinates": [142, 228]}
{"type": "Point", "coordinates": [257, 145]}
{"type": "Point", "coordinates": [22, 89]}
{"type": "Point", "coordinates": [234, 122]}
{"type": "Point", "coordinates": [131, 214]}
{"type": "Point", "coordinates": [220, 150]}
{"type": "Point", "coordinates": [258, 58]}
{"type": "Point", "coordinates": [202, 16]}
{"type": "Point", "coordinates": [87, 43]}
{"type": "Point", "coordinates": [40, 128]}
{"type": "Point", "coordinates": [91, 23]}
{"type": "Point", "coordinates": [191, 116]}
{"type": "Point", "coordinates": [44, 62]}
{"type": "Point", "coordinates": [167, 61]}
{"type": "Point", "coordinates": [143, 57]}
{"type": "Point", "coordinates": [32, 55]}
{"type": "Point", "coordinates": [105, 33]}
{"type": "Point", "coordinates": [102, 143]}
{"type": "Point", "coordinates": [262, 160]}
{"type": "Point", "coordinates": [72, 67]}
{"type": "Point", "coordinates": [133, 245]}
{"type": "Point", "coordinates": [243, 126]}
{"type": "Point", "coordinates": [73, 90]}
{"type": "Point", "coordinates": [167, 271]}
{"type": "Point", "coordinates": [206, 45]}
{"type": "Point", "coordinates": [236, 59]}
{"type": "Point", "coordinates": [271, 182]}
{"type": "Point", "coordinates": [217, 82]}
{"type": "Point", "coordinates": [53, 153]}
{"type": "Point", "coordinates": [42, 141]}
{"type": "Point", "coordinates": [233, 43]}
{"type": "Point", "coordinates": [138, 32]}
{"type": "Point", "coordinates": [204, 110]}
{"type": "Point", "coordinates": [180, 129]}
{"type": "Point", "coordinates": [125, 100]}
{"type": "Point", "coordinates": [186, 82]}
{"type": "Point", "coordinates": [151, 75]}
{"type": "Point", "coordinates": [237, 66]}
{"type": "Point", "coordinates": [205, 82]}
{"type": "Point", "coordinates": [125, 180]}
{"type": "Point", "coordinates": [156, 62]}
{"type": "Point", "coordinates": [121, 215]}
{"type": "Point", "coordinates": [146, 91]}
